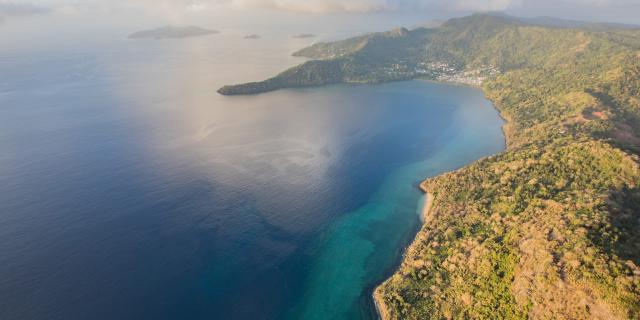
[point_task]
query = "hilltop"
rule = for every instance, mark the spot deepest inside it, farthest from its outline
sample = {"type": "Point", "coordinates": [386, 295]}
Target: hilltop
{"type": "Point", "coordinates": [399, 54]}
{"type": "Point", "coordinates": [457, 51]}
{"type": "Point", "coordinates": [549, 228]}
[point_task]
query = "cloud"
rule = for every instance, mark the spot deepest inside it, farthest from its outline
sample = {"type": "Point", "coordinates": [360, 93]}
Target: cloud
{"type": "Point", "coordinates": [179, 7]}
{"type": "Point", "coordinates": [323, 6]}
{"type": "Point", "coordinates": [9, 9]}
{"type": "Point", "coordinates": [318, 6]}
{"type": "Point", "coordinates": [485, 5]}
{"type": "Point", "coordinates": [326, 6]}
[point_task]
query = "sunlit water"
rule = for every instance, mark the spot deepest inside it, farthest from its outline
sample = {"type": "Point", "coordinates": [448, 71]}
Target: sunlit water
{"type": "Point", "coordinates": [130, 190]}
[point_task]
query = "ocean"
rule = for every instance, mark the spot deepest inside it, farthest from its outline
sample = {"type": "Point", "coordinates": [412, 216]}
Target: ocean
{"type": "Point", "coordinates": [129, 189]}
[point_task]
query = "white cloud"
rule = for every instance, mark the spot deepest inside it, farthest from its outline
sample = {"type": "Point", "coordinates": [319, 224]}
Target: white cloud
{"type": "Point", "coordinates": [176, 7]}
{"type": "Point", "coordinates": [323, 6]}
{"type": "Point", "coordinates": [310, 6]}
{"type": "Point", "coordinates": [318, 6]}
{"type": "Point", "coordinates": [485, 5]}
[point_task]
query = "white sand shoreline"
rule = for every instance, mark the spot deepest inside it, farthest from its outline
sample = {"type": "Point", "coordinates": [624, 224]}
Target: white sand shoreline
{"type": "Point", "coordinates": [426, 207]}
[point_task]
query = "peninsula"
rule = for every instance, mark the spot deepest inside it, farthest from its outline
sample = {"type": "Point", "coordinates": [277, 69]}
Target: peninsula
{"type": "Point", "coordinates": [172, 32]}
{"type": "Point", "coordinates": [549, 228]}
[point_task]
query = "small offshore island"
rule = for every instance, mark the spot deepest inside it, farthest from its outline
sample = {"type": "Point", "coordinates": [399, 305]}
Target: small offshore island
{"type": "Point", "coordinates": [547, 229]}
{"type": "Point", "coordinates": [172, 32]}
{"type": "Point", "coordinates": [304, 36]}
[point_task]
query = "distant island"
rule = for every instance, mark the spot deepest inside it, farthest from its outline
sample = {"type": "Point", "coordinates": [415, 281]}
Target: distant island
{"type": "Point", "coordinates": [303, 36]}
{"type": "Point", "coordinates": [549, 229]}
{"type": "Point", "coordinates": [172, 32]}
{"type": "Point", "coordinates": [252, 37]}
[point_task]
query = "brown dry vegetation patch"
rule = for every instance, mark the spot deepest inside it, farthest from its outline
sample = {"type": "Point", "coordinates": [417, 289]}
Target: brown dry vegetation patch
{"type": "Point", "coordinates": [584, 42]}
{"type": "Point", "coordinates": [600, 115]}
{"type": "Point", "coordinates": [543, 276]}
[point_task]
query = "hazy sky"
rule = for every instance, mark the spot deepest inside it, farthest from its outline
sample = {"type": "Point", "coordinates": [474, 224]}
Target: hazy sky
{"type": "Point", "coordinates": [602, 10]}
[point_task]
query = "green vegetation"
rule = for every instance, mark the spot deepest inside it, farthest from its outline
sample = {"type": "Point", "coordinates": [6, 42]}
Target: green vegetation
{"type": "Point", "coordinates": [373, 58]}
{"type": "Point", "coordinates": [550, 228]}
{"type": "Point", "coordinates": [544, 231]}
{"type": "Point", "coordinates": [311, 73]}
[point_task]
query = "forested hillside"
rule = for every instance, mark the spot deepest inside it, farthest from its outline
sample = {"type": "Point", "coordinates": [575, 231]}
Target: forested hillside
{"type": "Point", "coordinates": [549, 229]}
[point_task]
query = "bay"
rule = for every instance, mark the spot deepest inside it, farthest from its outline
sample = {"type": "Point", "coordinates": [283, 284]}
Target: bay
{"type": "Point", "coordinates": [130, 190]}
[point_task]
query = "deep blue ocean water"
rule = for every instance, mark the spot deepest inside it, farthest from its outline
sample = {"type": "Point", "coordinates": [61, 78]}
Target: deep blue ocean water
{"type": "Point", "coordinates": [130, 190]}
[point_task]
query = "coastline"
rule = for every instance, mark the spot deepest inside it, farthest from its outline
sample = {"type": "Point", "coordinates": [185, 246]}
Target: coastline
{"type": "Point", "coordinates": [381, 307]}
{"type": "Point", "coordinates": [551, 103]}
{"type": "Point", "coordinates": [426, 207]}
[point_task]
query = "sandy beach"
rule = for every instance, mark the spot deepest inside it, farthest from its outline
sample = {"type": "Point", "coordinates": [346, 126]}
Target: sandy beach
{"type": "Point", "coordinates": [426, 207]}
